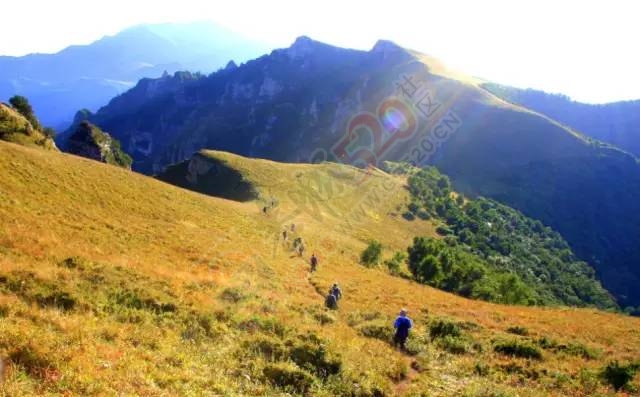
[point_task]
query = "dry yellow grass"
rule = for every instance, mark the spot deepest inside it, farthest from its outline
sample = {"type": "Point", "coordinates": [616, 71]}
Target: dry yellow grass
{"type": "Point", "coordinates": [200, 253]}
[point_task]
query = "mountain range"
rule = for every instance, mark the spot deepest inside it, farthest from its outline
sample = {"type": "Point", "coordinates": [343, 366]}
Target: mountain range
{"type": "Point", "coordinates": [295, 104]}
{"type": "Point", "coordinates": [87, 76]}
{"type": "Point", "coordinates": [196, 275]}
{"type": "Point", "coordinates": [617, 123]}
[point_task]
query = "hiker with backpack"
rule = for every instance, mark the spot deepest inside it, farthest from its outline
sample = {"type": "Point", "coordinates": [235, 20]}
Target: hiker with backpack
{"type": "Point", "coordinates": [331, 302]}
{"type": "Point", "coordinates": [314, 262]}
{"type": "Point", "coordinates": [402, 325]}
{"type": "Point", "coordinates": [336, 291]}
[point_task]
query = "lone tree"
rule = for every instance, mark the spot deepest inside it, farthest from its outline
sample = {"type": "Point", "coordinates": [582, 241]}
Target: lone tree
{"type": "Point", "coordinates": [22, 105]}
{"type": "Point", "coordinates": [372, 254]}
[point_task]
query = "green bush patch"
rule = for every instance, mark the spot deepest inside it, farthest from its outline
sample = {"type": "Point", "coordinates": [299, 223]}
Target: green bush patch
{"type": "Point", "coordinates": [618, 375]}
{"type": "Point", "coordinates": [522, 331]}
{"type": "Point", "coordinates": [376, 330]}
{"type": "Point", "coordinates": [518, 349]}
{"type": "Point", "coordinates": [443, 328]}
{"type": "Point", "coordinates": [289, 377]}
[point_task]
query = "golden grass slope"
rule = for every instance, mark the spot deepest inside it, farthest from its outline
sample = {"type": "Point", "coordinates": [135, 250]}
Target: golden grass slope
{"type": "Point", "coordinates": [17, 129]}
{"type": "Point", "coordinates": [175, 293]}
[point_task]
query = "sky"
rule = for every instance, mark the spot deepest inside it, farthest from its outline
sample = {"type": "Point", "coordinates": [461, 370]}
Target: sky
{"type": "Point", "coordinates": [585, 49]}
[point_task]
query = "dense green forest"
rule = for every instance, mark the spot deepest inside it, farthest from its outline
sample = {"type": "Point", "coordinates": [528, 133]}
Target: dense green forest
{"type": "Point", "coordinates": [493, 252]}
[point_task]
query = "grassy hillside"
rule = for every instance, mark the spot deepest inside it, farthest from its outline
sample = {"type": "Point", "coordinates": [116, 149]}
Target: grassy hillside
{"type": "Point", "coordinates": [513, 246]}
{"type": "Point", "coordinates": [115, 283]}
{"type": "Point", "coordinates": [15, 128]}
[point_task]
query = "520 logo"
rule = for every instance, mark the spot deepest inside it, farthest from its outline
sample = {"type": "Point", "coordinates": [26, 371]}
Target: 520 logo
{"type": "Point", "coordinates": [393, 122]}
{"type": "Point", "coordinates": [371, 136]}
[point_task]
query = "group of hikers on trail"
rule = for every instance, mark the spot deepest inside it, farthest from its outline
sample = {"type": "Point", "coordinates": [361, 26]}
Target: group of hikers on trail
{"type": "Point", "coordinates": [402, 324]}
{"type": "Point", "coordinates": [298, 243]}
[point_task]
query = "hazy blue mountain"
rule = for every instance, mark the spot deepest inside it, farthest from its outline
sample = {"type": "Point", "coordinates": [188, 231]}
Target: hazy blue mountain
{"type": "Point", "coordinates": [617, 123]}
{"type": "Point", "coordinates": [87, 76]}
{"type": "Point", "coordinates": [294, 101]}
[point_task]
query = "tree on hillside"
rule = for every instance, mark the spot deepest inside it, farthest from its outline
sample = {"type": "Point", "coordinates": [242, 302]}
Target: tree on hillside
{"type": "Point", "coordinates": [372, 254]}
{"type": "Point", "coordinates": [22, 105]}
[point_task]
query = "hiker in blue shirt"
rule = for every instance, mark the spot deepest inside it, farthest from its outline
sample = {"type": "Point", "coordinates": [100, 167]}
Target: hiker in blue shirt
{"type": "Point", "coordinates": [402, 325]}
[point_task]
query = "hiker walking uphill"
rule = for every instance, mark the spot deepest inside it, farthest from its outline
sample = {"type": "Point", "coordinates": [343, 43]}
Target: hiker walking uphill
{"type": "Point", "coordinates": [314, 262]}
{"type": "Point", "coordinates": [402, 325]}
{"type": "Point", "coordinates": [298, 245]}
{"type": "Point", "coordinates": [333, 297]}
{"type": "Point", "coordinates": [331, 301]}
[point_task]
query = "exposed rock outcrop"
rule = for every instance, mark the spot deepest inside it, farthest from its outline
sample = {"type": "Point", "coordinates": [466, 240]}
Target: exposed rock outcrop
{"type": "Point", "coordinates": [91, 142]}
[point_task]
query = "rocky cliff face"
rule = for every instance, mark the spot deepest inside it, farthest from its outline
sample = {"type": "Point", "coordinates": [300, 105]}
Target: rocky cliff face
{"type": "Point", "coordinates": [91, 142]}
{"type": "Point", "coordinates": [283, 105]}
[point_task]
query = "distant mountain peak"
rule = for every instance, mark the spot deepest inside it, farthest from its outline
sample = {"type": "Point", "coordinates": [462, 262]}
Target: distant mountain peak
{"type": "Point", "coordinates": [387, 48]}
{"type": "Point", "coordinates": [303, 46]}
{"type": "Point", "coordinates": [231, 65]}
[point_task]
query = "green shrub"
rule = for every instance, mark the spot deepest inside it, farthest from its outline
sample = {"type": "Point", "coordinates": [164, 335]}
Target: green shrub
{"type": "Point", "coordinates": [22, 105]}
{"type": "Point", "coordinates": [397, 371]}
{"type": "Point", "coordinates": [424, 215]}
{"type": "Point", "coordinates": [264, 324]}
{"type": "Point", "coordinates": [32, 289]}
{"type": "Point", "coordinates": [481, 369]}
{"type": "Point", "coordinates": [315, 359]}
{"type": "Point", "coordinates": [74, 262]}
{"type": "Point", "coordinates": [376, 330]}
{"type": "Point", "coordinates": [618, 375]}
{"type": "Point", "coordinates": [518, 349]}
{"type": "Point", "coordinates": [443, 328]}
{"type": "Point", "coordinates": [324, 318]}
{"type": "Point", "coordinates": [522, 331]}
{"type": "Point", "coordinates": [270, 348]}
{"type": "Point", "coordinates": [357, 317]}
{"type": "Point", "coordinates": [572, 349]}
{"type": "Point", "coordinates": [33, 361]}
{"type": "Point", "coordinates": [233, 295]}
{"type": "Point", "coordinates": [415, 345]}
{"type": "Point", "coordinates": [198, 326]}
{"type": "Point", "coordinates": [578, 349]}
{"type": "Point", "coordinates": [547, 343]}
{"type": "Point", "coordinates": [453, 344]}
{"type": "Point", "coordinates": [394, 264]}
{"type": "Point", "coordinates": [138, 299]}
{"type": "Point", "coordinates": [444, 230]}
{"type": "Point", "coordinates": [372, 254]}
{"type": "Point", "coordinates": [527, 372]}
{"type": "Point", "coordinates": [59, 299]}
{"type": "Point", "coordinates": [408, 215]}
{"type": "Point", "coordinates": [289, 377]}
